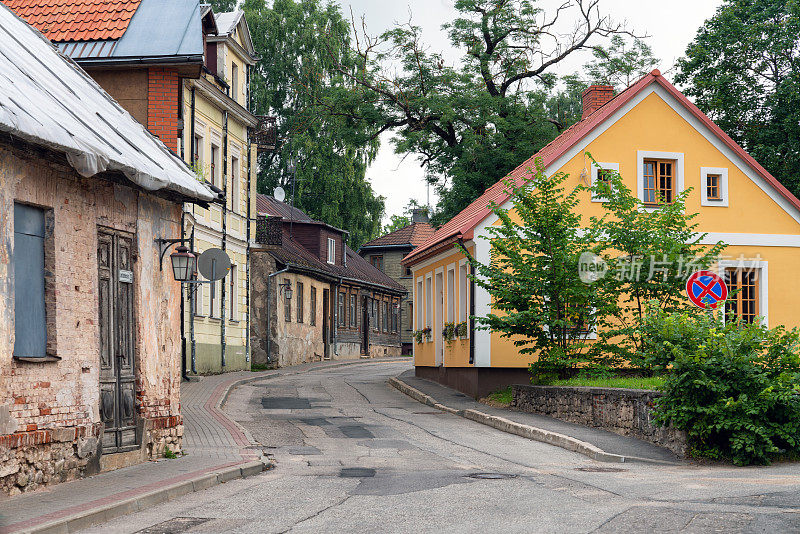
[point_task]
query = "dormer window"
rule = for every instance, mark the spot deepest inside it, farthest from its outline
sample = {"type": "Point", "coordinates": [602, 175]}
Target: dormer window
{"type": "Point", "coordinates": [331, 250]}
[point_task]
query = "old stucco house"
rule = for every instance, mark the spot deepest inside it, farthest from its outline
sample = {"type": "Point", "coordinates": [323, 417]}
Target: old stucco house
{"type": "Point", "coordinates": [314, 298]}
{"type": "Point", "coordinates": [89, 322]}
{"type": "Point", "coordinates": [183, 71]}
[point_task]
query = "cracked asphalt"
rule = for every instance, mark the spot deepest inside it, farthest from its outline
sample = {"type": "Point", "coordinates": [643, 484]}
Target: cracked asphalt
{"type": "Point", "coordinates": [354, 455]}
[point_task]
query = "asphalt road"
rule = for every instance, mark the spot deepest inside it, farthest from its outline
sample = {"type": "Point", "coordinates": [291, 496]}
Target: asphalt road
{"type": "Point", "coordinates": [354, 455]}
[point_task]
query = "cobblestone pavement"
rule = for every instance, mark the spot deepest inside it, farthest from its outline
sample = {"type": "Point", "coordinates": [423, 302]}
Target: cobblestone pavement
{"type": "Point", "coordinates": [354, 455]}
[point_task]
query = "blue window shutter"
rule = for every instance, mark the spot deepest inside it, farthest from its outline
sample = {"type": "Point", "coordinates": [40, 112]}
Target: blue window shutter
{"type": "Point", "coordinates": [29, 310]}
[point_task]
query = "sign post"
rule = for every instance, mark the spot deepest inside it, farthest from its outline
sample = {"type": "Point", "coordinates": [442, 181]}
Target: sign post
{"type": "Point", "coordinates": [706, 289]}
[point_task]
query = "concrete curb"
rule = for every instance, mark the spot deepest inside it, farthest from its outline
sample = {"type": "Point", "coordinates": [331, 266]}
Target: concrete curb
{"type": "Point", "coordinates": [105, 513]}
{"type": "Point", "coordinates": [526, 431]}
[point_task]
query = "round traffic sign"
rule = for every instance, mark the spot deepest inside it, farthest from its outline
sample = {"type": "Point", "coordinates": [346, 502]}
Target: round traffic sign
{"type": "Point", "coordinates": [214, 264]}
{"type": "Point", "coordinates": [706, 289]}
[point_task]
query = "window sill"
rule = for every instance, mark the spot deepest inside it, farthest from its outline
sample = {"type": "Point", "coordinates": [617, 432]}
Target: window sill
{"type": "Point", "coordinates": [33, 359]}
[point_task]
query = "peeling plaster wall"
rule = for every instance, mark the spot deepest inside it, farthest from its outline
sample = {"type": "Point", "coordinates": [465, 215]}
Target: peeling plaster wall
{"type": "Point", "coordinates": [40, 400]}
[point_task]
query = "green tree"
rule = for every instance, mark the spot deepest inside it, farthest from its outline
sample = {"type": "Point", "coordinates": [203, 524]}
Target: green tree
{"type": "Point", "coordinates": [742, 69]}
{"type": "Point", "coordinates": [621, 63]}
{"type": "Point", "coordinates": [223, 6]}
{"type": "Point", "coordinates": [474, 122]}
{"type": "Point", "coordinates": [303, 46]}
{"type": "Point", "coordinates": [651, 251]}
{"type": "Point", "coordinates": [538, 299]}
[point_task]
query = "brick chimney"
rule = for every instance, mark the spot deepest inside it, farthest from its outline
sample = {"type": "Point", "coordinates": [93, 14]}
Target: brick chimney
{"type": "Point", "coordinates": [419, 215]}
{"type": "Point", "coordinates": [594, 97]}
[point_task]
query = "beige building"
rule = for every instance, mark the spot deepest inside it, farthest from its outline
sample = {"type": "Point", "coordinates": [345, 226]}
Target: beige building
{"type": "Point", "coordinates": [216, 142]}
{"type": "Point", "coordinates": [386, 252]}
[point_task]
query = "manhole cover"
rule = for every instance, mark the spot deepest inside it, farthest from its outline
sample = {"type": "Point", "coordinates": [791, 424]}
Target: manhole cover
{"type": "Point", "coordinates": [491, 476]}
{"type": "Point", "coordinates": [356, 472]}
{"type": "Point", "coordinates": [600, 469]}
{"type": "Point", "coordinates": [174, 525]}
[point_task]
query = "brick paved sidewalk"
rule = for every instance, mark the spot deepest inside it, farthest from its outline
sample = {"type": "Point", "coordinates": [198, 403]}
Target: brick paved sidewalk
{"type": "Point", "coordinates": [217, 449]}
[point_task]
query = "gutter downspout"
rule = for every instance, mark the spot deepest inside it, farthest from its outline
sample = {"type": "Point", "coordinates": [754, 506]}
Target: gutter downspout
{"type": "Point", "coordinates": [183, 306]}
{"type": "Point", "coordinates": [269, 345]}
{"type": "Point", "coordinates": [192, 307]}
{"type": "Point", "coordinates": [223, 319]}
{"type": "Point", "coordinates": [247, 260]}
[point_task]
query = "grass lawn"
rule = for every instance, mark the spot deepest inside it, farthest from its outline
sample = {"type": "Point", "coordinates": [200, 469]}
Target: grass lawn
{"type": "Point", "coordinates": [616, 382]}
{"type": "Point", "coordinates": [500, 398]}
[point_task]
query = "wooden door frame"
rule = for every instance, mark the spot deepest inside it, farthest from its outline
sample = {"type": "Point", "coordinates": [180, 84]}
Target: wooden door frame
{"type": "Point", "coordinates": [113, 330]}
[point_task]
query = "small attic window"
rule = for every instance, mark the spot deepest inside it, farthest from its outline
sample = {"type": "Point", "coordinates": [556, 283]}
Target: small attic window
{"type": "Point", "coordinates": [331, 250]}
{"type": "Point", "coordinates": [714, 186]}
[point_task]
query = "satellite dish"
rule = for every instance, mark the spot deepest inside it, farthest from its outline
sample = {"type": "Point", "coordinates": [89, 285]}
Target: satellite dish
{"type": "Point", "coordinates": [279, 194]}
{"type": "Point", "coordinates": [214, 264]}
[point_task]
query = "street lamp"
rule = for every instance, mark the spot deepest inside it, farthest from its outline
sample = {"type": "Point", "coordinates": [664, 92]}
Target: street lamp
{"type": "Point", "coordinates": [286, 287]}
{"type": "Point", "coordinates": [184, 264]}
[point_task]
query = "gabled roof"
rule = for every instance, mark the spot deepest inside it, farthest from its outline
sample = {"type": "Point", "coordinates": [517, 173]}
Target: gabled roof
{"type": "Point", "coordinates": [411, 236]}
{"type": "Point", "coordinates": [463, 225]}
{"type": "Point", "coordinates": [227, 24]}
{"type": "Point", "coordinates": [292, 252]}
{"type": "Point", "coordinates": [77, 20]}
{"type": "Point", "coordinates": [47, 100]}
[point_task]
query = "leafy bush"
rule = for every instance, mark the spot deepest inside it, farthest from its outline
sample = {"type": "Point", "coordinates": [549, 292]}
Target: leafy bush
{"type": "Point", "coordinates": [734, 388]}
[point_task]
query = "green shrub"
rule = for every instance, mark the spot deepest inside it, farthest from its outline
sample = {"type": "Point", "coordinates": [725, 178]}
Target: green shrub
{"type": "Point", "coordinates": [734, 388]}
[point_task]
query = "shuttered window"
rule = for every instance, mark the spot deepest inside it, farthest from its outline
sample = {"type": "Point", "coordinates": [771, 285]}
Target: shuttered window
{"type": "Point", "coordinates": [30, 325]}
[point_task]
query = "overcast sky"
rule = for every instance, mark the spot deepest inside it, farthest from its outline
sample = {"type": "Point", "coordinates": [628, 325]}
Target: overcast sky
{"type": "Point", "coordinates": [669, 25]}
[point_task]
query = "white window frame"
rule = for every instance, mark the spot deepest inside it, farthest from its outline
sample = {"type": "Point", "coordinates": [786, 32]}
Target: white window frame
{"type": "Point", "coordinates": [215, 163]}
{"type": "Point", "coordinates": [331, 251]}
{"type": "Point", "coordinates": [723, 187]}
{"type": "Point", "coordinates": [200, 304]}
{"type": "Point", "coordinates": [601, 166]}
{"type": "Point", "coordinates": [420, 304]}
{"type": "Point", "coordinates": [463, 283]}
{"type": "Point", "coordinates": [236, 190]}
{"type": "Point", "coordinates": [450, 290]}
{"type": "Point", "coordinates": [235, 81]}
{"type": "Point", "coordinates": [642, 155]}
{"type": "Point", "coordinates": [234, 297]}
{"type": "Point", "coordinates": [763, 281]}
{"type": "Point", "coordinates": [429, 301]}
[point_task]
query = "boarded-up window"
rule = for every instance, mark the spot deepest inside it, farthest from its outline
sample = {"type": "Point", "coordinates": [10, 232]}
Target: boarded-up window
{"type": "Point", "coordinates": [300, 302]}
{"type": "Point", "coordinates": [313, 317]}
{"type": "Point", "coordinates": [30, 324]}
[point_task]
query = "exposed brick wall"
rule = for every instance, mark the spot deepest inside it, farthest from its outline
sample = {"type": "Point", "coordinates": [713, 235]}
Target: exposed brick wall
{"type": "Point", "coordinates": [40, 399]}
{"type": "Point", "coordinates": [162, 105]}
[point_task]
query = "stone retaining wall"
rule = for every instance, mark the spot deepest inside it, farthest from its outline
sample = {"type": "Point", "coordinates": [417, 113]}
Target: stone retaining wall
{"type": "Point", "coordinates": [623, 411]}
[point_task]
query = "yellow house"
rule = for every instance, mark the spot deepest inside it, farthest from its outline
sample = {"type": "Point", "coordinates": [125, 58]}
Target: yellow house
{"type": "Point", "coordinates": [216, 142]}
{"type": "Point", "coordinates": [660, 143]}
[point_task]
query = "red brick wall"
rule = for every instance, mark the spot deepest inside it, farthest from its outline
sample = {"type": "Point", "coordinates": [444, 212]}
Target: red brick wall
{"type": "Point", "coordinates": [595, 97]}
{"type": "Point", "coordinates": [162, 105]}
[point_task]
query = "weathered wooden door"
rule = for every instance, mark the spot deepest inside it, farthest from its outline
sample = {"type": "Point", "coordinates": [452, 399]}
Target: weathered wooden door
{"type": "Point", "coordinates": [365, 326]}
{"type": "Point", "coordinates": [326, 325]}
{"type": "Point", "coordinates": [117, 344]}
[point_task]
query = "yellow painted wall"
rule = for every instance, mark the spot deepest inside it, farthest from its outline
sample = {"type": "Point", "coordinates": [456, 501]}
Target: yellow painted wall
{"type": "Point", "coordinates": [208, 221]}
{"type": "Point", "coordinates": [654, 126]}
{"type": "Point", "coordinates": [455, 353]}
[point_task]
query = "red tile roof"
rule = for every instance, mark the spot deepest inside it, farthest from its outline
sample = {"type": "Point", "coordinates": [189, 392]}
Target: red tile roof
{"type": "Point", "coordinates": [463, 225]}
{"type": "Point", "coordinates": [76, 20]}
{"type": "Point", "coordinates": [412, 235]}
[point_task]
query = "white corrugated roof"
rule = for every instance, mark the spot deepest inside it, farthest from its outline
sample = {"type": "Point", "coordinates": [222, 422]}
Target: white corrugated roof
{"type": "Point", "coordinates": [48, 100]}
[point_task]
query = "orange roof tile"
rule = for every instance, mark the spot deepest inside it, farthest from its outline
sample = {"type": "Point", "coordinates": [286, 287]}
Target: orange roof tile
{"type": "Point", "coordinates": [76, 20]}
